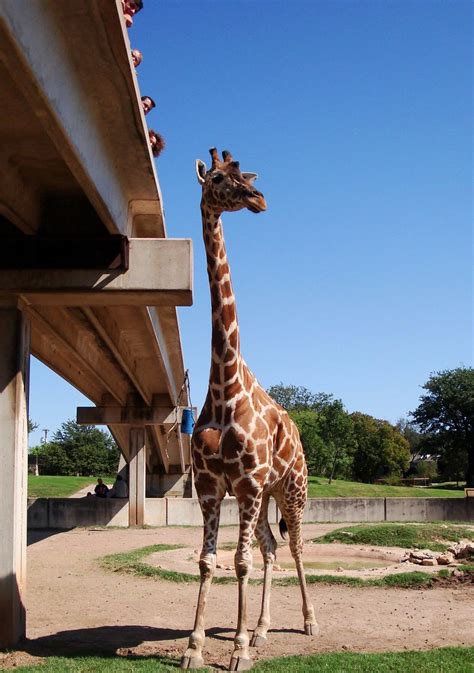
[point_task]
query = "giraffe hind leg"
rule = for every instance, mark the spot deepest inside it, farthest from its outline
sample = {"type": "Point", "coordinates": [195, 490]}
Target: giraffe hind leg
{"type": "Point", "coordinates": [293, 520]}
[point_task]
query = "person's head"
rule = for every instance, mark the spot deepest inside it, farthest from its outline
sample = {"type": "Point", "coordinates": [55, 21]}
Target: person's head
{"type": "Point", "coordinates": [147, 104]}
{"type": "Point", "coordinates": [157, 143]}
{"type": "Point", "coordinates": [137, 57]}
{"type": "Point", "coordinates": [99, 481]}
{"type": "Point", "coordinates": [119, 477]}
{"type": "Point", "coordinates": [130, 8]}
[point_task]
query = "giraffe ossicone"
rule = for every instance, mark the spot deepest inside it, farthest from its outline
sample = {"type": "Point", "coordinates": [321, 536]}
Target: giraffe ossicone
{"type": "Point", "coordinates": [243, 442]}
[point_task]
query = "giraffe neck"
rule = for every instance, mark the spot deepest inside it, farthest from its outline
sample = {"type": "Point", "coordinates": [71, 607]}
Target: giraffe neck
{"type": "Point", "coordinates": [225, 327]}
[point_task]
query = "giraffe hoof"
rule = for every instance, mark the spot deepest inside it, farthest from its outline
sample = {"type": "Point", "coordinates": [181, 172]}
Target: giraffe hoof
{"type": "Point", "coordinates": [311, 629]}
{"type": "Point", "coordinates": [192, 662]}
{"type": "Point", "coordinates": [240, 664]}
{"type": "Point", "coordinates": [258, 640]}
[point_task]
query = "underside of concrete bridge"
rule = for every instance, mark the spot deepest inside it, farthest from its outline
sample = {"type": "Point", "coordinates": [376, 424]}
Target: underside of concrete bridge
{"type": "Point", "coordinates": [89, 282]}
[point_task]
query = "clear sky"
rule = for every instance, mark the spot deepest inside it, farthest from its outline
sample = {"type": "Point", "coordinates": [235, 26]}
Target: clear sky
{"type": "Point", "coordinates": [357, 116]}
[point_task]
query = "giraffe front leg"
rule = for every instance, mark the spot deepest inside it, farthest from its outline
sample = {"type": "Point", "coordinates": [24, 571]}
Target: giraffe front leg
{"type": "Point", "coordinates": [267, 547]}
{"type": "Point", "coordinates": [240, 660]}
{"type": "Point", "coordinates": [249, 511]}
{"type": "Point", "coordinates": [210, 506]}
{"type": "Point", "coordinates": [192, 658]}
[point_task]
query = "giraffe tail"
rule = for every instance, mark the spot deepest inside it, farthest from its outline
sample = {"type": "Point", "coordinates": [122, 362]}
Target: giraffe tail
{"type": "Point", "coordinates": [283, 529]}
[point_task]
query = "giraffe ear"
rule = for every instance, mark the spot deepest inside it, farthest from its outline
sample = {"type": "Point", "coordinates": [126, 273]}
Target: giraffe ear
{"type": "Point", "coordinates": [250, 177]}
{"type": "Point", "coordinates": [201, 171]}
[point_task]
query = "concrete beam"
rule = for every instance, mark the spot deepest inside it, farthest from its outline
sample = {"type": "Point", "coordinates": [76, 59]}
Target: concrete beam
{"type": "Point", "coordinates": [14, 368]}
{"type": "Point", "coordinates": [73, 343]}
{"type": "Point", "coordinates": [106, 328]}
{"type": "Point", "coordinates": [159, 327]}
{"type": "Point", "coordinates": [161, 444]}
{"type": "Point", "coordinates": [20, 202]}
{"type": "Point", "coordinates": [137, 416]}
{"type": "Point", "coordinates": [34, 252]}
{"type": "Point", "coordinates": [160, 273]}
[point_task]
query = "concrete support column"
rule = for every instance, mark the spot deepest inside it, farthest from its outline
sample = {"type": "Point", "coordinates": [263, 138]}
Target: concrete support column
{"type": "Point", "coordinates": [14, 370]}
{"type": "Point", "coordinates": [136, 476]}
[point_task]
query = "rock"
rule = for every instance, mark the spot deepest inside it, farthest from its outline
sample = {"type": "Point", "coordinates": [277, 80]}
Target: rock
{"type": "Point", "coordinates": [429, 562]}
{"type": "Point", "coordinates": [422, 554]}
{"type": "Point", "coordinates": [462, 549]}
{"type": "Point", "coordinates": [445, 559]}
{"type": "Point", "coordinates": [339, 569]}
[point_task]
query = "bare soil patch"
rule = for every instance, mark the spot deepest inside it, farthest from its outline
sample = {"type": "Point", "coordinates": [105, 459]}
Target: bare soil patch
{"type": "Point", "coordinates": [73, 605]}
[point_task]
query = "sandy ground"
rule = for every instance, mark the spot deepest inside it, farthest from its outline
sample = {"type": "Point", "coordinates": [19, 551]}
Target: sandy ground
{"type": "Point", "coordinates": [74, 605]}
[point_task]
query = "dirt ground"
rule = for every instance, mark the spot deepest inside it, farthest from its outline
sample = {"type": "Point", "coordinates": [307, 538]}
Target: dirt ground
{"type": "Point", "coordinates": [74, 605]}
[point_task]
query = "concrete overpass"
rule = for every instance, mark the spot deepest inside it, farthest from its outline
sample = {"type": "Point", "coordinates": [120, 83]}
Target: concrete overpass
{"type": "Point", "coordinates": [89, 282]}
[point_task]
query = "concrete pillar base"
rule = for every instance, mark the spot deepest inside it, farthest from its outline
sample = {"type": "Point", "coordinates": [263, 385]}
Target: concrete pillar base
{"type": "Point", "coordinates": [14, 370]}
{"type": "Point", "coordinates": [170, 485]}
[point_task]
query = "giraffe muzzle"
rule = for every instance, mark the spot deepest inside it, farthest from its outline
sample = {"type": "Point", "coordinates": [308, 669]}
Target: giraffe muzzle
{"type": "Point", "coordinates": [256, 202]}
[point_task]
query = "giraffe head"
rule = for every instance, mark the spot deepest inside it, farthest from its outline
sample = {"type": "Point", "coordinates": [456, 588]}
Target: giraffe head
{"type": "Point", "coordinates": [225, 188]}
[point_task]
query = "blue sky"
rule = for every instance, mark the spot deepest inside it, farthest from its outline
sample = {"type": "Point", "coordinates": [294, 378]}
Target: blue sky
{"type": "Point", "coordinates": [357, 116]}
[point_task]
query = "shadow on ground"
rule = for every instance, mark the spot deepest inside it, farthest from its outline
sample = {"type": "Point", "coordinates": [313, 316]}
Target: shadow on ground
{"type": "Point", "coordinates": [106, 640]}
{"type": "Point", "coordinates": [33, 536]}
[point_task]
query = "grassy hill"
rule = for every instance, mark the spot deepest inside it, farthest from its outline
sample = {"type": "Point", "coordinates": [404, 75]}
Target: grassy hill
{"type": "Point", "coordinates": [58, 487]}
{"type": "Point", "coordinates": [319, 488]}
{"type": "Point", "coordinates": [62, 487]}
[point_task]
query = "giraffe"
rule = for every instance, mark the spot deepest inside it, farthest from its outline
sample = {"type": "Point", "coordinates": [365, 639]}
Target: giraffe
{"type": "Point", "coordinates": [243, 441]}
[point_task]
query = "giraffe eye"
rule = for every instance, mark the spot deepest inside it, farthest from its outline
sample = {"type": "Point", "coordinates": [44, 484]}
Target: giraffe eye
{"type": "Point", "coordinates": [217, 178]}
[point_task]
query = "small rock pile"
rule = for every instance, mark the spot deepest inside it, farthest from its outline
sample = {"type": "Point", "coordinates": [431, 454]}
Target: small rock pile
{"type": "Point", "coordinates": [453, 556]}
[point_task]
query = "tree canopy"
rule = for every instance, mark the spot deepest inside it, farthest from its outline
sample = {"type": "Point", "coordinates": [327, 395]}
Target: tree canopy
{"type": "Point", "coordinates": [380, 449]}
{"type": "Point", "coordinates": [446, 415]}
{"type": "Point", "coordinates": [78, 450]}
{"type": "Point", "coordinates": [342, 445]}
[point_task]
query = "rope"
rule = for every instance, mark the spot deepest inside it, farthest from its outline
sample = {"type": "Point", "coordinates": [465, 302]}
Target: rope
{"type": "Point", "coordinates": [185, 387]}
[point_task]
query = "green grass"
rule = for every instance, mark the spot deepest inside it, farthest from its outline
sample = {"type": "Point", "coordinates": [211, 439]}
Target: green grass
{"type": "Point", "coordinates": [132, 563]}
{"type": "Point", "coordinates": [108, 664]}
{"type": "Point", "coordinates": [425, 535]}
{"type": "Point", "coordinates": [58, 487]}
{"type": "Point", "coordinates": [318, 487]}
{"type": "Point", "coordinates": [62, 487]}
{"type": "Point", "coordinates": [444, 660]}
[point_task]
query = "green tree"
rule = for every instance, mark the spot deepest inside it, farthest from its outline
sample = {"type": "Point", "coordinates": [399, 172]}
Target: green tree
{"type": "Point", "coordinates": [32, 425]}
{"type": "Point", "coordinates": [337, 433]}
{"type": "Point", "coordinates": [380, 450]}
{"type": "Point", "coordinates": [292, 397]}
{"type": "Point", "coordinates": [53, 459]}
{"type": "Point", "coordinates": [78, 449]}
{"type": "Point", "coordinates": [416, 440]}
{"type": "Point", "coordinates": [324, 425]}
{"type": "Point", "coordinates": [316, 452]}
{"type": "Point", "coordinates": [446, 413]}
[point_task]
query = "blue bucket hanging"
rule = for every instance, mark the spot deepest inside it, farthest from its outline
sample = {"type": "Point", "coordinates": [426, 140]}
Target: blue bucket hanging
{"type": "Point", "coordinates": [187, 422]}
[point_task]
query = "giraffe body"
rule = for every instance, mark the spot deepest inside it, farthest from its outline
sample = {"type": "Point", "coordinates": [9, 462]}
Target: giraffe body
{"type": "Point", "coordinates": [243, 443]}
